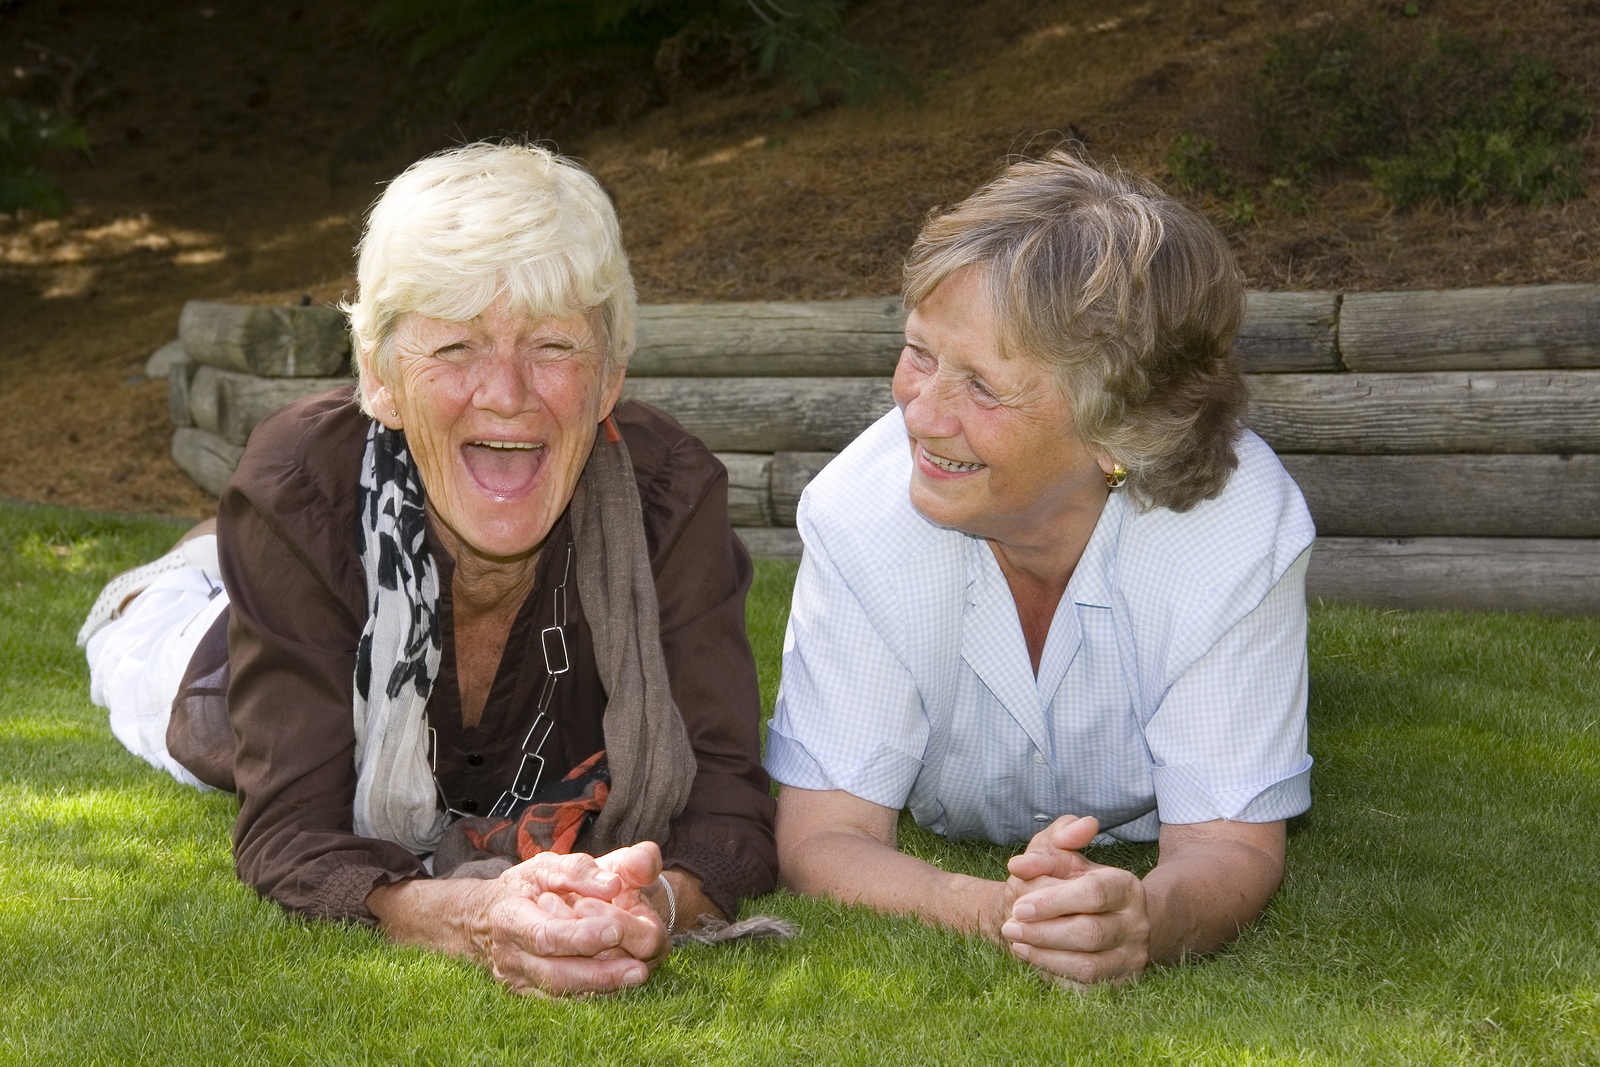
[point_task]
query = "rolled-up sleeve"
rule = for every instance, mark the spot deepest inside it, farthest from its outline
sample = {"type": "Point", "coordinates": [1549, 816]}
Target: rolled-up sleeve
{"type": "Point", "coordinates": [1228, 740]}
{"type": "Point", "coordinates": [849, 714]}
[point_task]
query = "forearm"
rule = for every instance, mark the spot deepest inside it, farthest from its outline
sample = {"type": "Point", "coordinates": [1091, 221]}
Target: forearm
{"type": "Point", "coordinates": [858, 869]}
{"type": "Point", "coordinates": [442, 914]}
{"type": "Point", "coordinates": [1200, 899]}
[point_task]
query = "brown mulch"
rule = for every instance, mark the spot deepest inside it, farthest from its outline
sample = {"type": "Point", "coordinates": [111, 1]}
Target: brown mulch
{"type": "Point", "coordinates": [226, 166]}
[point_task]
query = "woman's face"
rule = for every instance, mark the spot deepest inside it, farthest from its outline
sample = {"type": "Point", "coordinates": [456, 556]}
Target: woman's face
{"type": "Point", "coordinates": [994, 452]}
{"type": "Point", "coordinates": [500, 413]}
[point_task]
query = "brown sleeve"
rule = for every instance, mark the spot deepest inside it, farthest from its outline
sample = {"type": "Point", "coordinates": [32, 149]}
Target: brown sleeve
{"type": "Point", "coordinates": [296, 615]}
{"type": "Point", "coordinates": [702, 572]}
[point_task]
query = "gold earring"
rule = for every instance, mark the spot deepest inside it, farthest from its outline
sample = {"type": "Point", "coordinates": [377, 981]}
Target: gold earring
{"type": "Point", "coordinates": [1117, 476]}
{"type": "Point", "coordinates": [393, 414]}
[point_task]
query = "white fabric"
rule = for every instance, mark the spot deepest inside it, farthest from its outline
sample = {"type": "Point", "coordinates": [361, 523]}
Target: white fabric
{"type": "Point", "coordinates": [200, 552]}
{"type": "Point", "coordinates": [137, 661]}
{"type": "Point", "coordinates": [1172, 687]}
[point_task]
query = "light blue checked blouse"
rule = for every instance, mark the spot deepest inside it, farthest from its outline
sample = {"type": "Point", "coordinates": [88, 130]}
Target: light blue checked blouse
{"type": "Point", "coordinates": [1172, 686]}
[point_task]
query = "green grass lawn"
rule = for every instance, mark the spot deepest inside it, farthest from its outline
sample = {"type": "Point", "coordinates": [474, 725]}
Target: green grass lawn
{"type": "Point", "coordinates": [1442, 903]}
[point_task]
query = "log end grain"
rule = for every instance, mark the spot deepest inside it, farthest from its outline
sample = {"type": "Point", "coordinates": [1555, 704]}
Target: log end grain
{"type": "Point", "coordinates": [205, 457]}
{"type": "Point", "coordinates": [162, 359]}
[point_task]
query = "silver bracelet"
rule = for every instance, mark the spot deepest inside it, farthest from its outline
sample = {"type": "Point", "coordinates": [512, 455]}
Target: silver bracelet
{"type": "Point", "coordinates": [672, 902]}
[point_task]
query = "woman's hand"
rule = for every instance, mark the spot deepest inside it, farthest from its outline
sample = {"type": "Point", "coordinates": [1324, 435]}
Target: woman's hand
{"type": "Point", "coordinates": [575, 924]}
{"type": "Point", "coordinates": [554, 924]}
{"type": "Point", "coordinates": [1081, 920]}
{"type": "Point", "coordinates": [1091, 923]}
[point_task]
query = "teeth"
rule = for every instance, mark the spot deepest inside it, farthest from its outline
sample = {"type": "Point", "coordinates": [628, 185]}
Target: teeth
{"type": "Point", "coordinates": [507, 444]}
{"type": "Point", "coordinates": [951, 465]}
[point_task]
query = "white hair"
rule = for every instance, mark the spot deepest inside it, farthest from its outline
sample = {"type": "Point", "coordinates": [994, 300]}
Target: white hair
{"type": "Point", "coordinates": [459, 230]}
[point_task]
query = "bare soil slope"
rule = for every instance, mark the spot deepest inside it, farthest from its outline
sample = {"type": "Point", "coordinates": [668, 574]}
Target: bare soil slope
{"type": "Point", "coordinates": [216, 128]}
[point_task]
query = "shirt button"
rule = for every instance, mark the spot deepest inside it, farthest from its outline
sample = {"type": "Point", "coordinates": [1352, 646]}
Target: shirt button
{"type": "Point", "coordinates": [1041, 817]}
{"type": "Point", "coordinates": [1038, 757]}
{"type": "Point", "coordinates": [470, 806]}
{"type": "Point", "coordinates": [475, 760]}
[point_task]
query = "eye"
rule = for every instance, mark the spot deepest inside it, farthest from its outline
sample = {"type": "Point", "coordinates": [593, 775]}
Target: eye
{"type": "Point", "coordinates": [982, 392]}
{"type": "Point", "coordinates": [918, 358]}
{"type": "Point", "coordinates": [455, 351]}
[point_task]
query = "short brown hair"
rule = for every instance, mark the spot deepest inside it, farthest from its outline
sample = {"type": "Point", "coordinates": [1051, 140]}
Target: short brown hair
{"type": "Point", "coordinates": [1130, 298]}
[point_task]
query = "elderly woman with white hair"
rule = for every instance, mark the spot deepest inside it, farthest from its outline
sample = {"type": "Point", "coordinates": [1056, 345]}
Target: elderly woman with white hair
{"type": "Point", "coordinates": [1057, 593]}
{"type": "Point", "coordinates": [480, 617]}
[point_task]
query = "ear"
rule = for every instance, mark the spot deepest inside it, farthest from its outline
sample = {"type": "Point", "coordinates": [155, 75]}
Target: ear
{"type": "Point", "coordinates": [611, 391]}
{"type": "Point", "coordinates": [380, 398]}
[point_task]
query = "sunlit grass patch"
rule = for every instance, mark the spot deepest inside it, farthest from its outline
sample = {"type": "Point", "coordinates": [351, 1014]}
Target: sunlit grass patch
{"type": "Point", "coordinates": [1439, 905]}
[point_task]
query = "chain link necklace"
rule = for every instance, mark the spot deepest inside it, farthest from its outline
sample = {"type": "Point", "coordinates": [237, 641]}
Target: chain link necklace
{"type": "Point", "coordinates": [553, 642]}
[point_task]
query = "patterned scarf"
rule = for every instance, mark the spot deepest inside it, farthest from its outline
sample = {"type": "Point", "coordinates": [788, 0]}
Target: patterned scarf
{"type": "Point", "coordinates": [652, 765]}
{"type": "Point", "coordinates": [400, 647]}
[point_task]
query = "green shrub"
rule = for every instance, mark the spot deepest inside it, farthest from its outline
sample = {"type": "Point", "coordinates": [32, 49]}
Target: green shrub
{"type": "Point", "coordinates": [1520, 143]}
{"type": "Point", "coordinates": [26, 134]}
{"type": "Point", "coordinates": [1194, 165]}
{"type": "Point", "coordinates": [1425, 113]}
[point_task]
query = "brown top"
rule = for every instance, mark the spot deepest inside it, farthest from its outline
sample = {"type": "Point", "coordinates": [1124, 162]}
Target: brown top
{"type": "Point", "coordinates": [289, 544]}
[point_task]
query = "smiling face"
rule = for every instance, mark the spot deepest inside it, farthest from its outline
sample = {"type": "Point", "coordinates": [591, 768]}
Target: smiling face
{"type": "Point", "coordinates": [994, 452]}
{"type": "Point", "coordinates": [500, 413]}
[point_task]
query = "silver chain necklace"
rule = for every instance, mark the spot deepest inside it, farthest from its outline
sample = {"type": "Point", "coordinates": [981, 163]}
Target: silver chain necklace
{"type": "Point", "coordinates": [553, 641]}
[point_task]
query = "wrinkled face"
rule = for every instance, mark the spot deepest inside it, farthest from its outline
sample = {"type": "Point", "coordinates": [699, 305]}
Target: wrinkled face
{"type": "Point", "coordinates": [500, 413]}
{"type": "Point", "coordinates": [994, 452]}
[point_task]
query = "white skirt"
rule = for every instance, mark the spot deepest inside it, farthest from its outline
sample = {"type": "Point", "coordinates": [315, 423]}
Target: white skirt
{"type": "Point", "coordinates": [137, 661]}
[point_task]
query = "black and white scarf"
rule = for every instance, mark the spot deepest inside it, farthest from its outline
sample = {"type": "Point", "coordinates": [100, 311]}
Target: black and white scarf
{"type": "Point", "coordinates": [651, 763]}
{"type": "Point", "coordinates": [400, 649]}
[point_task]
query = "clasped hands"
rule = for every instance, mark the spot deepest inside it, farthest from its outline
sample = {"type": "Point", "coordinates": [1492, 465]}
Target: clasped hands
{"type": "Point", "coordinates": [1082, 921]}
{"type": "Point", "coordinates": [570, 924]}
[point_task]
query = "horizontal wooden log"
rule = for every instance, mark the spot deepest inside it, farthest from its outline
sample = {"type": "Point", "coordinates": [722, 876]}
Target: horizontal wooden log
{"type": "Point", "coordinates": [791, 473]}
{"type": "Point", "coordinates": [1450, 496]}
{"type": "Point", "coordinates": [278, 342]}
{"type": "Point", "coordinates": [1411, 414]}
{"type": "Point", "coordinates": [1465, 573]}
{"type": "Point", "coordinates": [772, 542]}
{"type": "Point", "coordinates": [1515, 327]}
{"type": "Point", "coordinates": [863, 337]}
{"type": "Point", "coordinates": [1288, 332]}
{"type": "Point", "coordinates": [749, 488]}
{"type": "Point", "coordinates": [823, 338]}
{"type": "Point", "coordinates": [205, 457]}
{"type": "Point", "coordinates": [162, 359]}
{"type": "Point", "coordinates": [1553, 575]}
{"type": "Point", "coordinates": [230, 404]}
{"type": "Point", "coordinates": [769, 414]}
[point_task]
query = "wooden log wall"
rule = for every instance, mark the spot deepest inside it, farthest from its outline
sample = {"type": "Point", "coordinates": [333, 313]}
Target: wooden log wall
{"type": "Point", "coordinates": [1448, 443]}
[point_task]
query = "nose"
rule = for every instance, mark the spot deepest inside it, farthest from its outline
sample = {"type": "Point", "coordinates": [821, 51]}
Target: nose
{"type": "Point", "coordinates": [505, 386]}
{"type": "Point", "coordinates": [927, 401]}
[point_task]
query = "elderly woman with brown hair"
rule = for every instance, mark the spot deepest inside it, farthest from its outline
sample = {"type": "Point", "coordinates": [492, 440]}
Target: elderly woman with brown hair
{"type": "Point", "coordinates": [1058, 592]}
{"type": "Point", "coordinates": [481, 618]}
